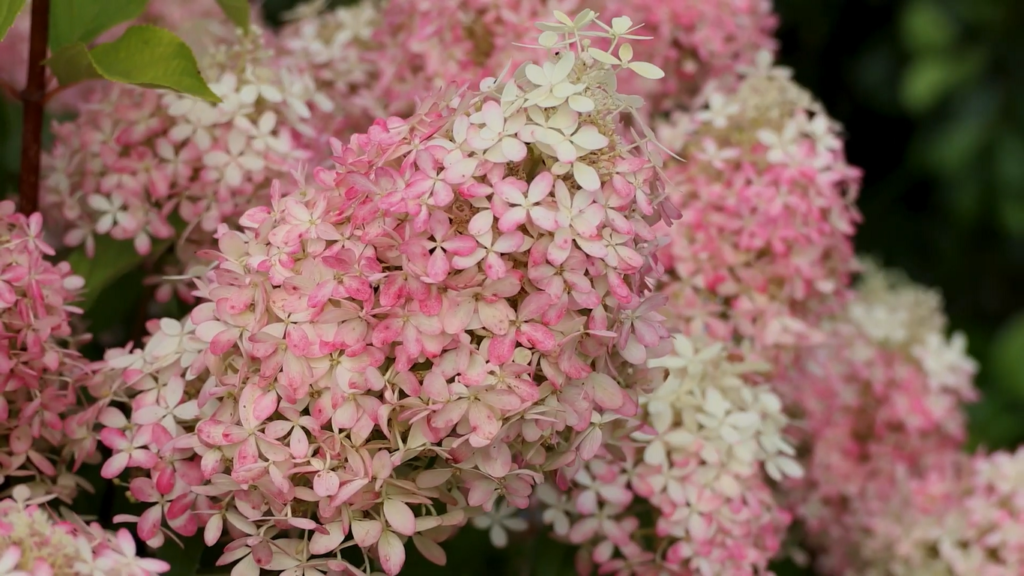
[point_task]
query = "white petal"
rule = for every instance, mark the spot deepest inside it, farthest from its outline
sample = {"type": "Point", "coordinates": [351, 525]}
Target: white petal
{"type": "Point", "coordinates": [647, 70]}
{"type": "Point", "coordinates": [586, 176]}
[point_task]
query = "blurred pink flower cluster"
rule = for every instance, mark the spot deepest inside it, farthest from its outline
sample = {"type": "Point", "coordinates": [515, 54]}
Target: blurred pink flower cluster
{"type": "Point", "coordinates": [146, 166]}
{"type": "Point", "coordinates": [33, 542]}
{"type": "Point", "coordinates": [350, 50]}
{"type": "Point", "coordinates": [414, 337]}
{"type": "Point", "coordinates": [878, 403]}
{"type": "Point", "coordinates": [694, 42]}
{"type": "Point", "coordinates": [681, 486]}
{"type": "Point", "coordinates": [43, 433]}
{"type": "Point", "coordinates": [763, 250]}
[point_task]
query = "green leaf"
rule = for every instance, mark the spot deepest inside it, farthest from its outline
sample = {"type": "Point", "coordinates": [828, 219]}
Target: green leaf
{"type": "Point", "coordinates": [72, 64]}
{"type": "Point", "coordinates": [926, 27]}
{"type": "Point", "coordinates": [994, 423]}
{"type": "Point", "coordinates": [144, 55]}
{"type": "Point", "coordinates": [184, 562]}
{"type": "Point", "coordinates": [929, 78]}
{"type": "Point", "coordinates": [9, 10]}
{"type": "Point", "coordinates": [113, 259]}
{"type": "Point", "coordinates": [84, 20]}
{"type": "Point", "coordinates": [237, 11]}
{"type": "Point", "coordinates": [1006, 358]}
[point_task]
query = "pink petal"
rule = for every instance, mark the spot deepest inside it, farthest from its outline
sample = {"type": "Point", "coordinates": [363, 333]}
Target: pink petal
{"type": "Point", "coordinates": [366, 533]}
{"type": "Point", "coordinates": [512, 219]}
{"type": "Point", "coordinates": [149, 523]}
{"type": "Point", "coordinates": [508, 242]}
{"type": "Point", "coordinates": [391, 552]}
{"type": "Point", "coordinates": [607, 392]}
{"type": "Point", "coordinates": [326, 483]}
{"type": "Point", "coordinates": [463, 245]}
{"type": "Point", "coordinates": [483, 421]}
{"type": "Point", "coordinates": [501, 348]}
{"type": "Point", "coordinates": [400, 517]}
{"type": "Point", "coordinates": [539, 336]}
{"type": "Point", "coordinates": [326, 543]}
{"type": "Point", "coordinates": [437, 266]}
{"type": "Point", "coordinates": [114, 465]}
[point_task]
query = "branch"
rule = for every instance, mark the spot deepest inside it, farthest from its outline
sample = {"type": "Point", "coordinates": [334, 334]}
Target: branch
{"type": "Point", "coordinates": [33, 97]}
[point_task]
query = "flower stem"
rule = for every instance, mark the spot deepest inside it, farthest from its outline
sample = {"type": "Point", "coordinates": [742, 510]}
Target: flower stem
{"type": "Point", "coordinates": [32, 98]}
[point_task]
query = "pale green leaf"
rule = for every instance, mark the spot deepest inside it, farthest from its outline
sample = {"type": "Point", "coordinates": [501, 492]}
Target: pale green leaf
{"type": "Point", "coordinates": [144, 55]}
{"type": "Point", "coordinates": [84, 20]}
{"type": "Point", "coordinates": [237, 11]}
{"type": "Point", "coordinates": [9, 10]}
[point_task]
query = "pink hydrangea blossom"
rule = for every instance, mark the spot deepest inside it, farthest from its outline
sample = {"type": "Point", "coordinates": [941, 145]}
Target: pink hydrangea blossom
{"type": "Point", "coordinates": [34, 542]}
{"type": "Point", "coordinates": [372, 360]}
{"type": "Point", "coordinates": [763, 250]}
{"type": "Point", "coordinates": [149, 167]}
{"type": "Point", "coordinates": [694, 42]}
{"type": "Point", "coordinates": [880, 422]}
{"type": "Point", "coordinates": [351, 50]}
{"type": "Point", "coordinates": [682, 487]}
{"type": "Point", "coordinates": [44, 437]}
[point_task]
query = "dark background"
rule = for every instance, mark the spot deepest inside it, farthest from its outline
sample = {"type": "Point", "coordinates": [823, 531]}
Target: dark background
{"type": "Point", "coordinates": [931, 94]}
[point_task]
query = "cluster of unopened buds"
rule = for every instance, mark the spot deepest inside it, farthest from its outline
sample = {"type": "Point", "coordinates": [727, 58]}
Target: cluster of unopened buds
{"type": "Point", "coordinates": [763, 250]}
{"type": "Point", "coordinates": [417, 336]}
{"type": "Point", "coordinates": [694, 460]}
{"type": "Point", "coordinates": [148, 167]}
{"type": "Point", "coordinates": [43, 433]}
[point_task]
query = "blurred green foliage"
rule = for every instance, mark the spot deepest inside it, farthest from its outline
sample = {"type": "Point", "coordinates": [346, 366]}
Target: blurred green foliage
{"type": "Point", "coordinates": [931, 93]}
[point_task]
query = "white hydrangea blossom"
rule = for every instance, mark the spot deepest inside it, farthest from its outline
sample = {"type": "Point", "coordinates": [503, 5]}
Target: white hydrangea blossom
{"type": "Point", "coordinates": [897, 314]}
{"type": "Point", "coordinates": [706, 407]}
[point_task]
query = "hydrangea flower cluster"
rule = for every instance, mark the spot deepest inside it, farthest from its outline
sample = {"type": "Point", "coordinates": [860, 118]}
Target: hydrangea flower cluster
{"type": "Point", "coordinates": [962, 518]}
{"type": "Point", "coordinates": [466, 40]}
{"type": "Point", "coordinates": [413, 338]}
{"type": "Point", "coordinates": [144, 165]}
{"type": "Point", "coordinates": [336, 47]}
{"type": "Point", "coordinates": [695, 42]}
{"type": "Point", "coordinates": [42, 434]}
{"type": "Point", "coordinates": [691, 464]}
{"type": "Point", "coordinates": [762, 251]}
{"type": "Point", "coordinates": [878, 402]}
{"type": "Point", "coordinates": [438, 42]}
{"type": "Point", "coordinates": [35, 543]}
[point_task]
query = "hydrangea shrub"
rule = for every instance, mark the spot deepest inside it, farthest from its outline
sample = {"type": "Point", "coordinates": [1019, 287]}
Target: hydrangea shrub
{"type": "Point", "coordinates": [448, 272]}
{"type": "Point", "coordinates": [413, 337]}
